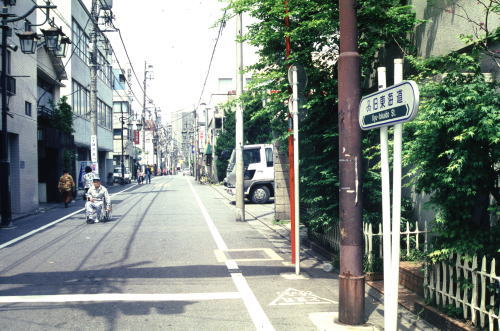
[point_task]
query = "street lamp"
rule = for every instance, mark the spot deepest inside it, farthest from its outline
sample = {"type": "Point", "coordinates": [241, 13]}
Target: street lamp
{"type": "Point", "coordinates": [28, 45]}
{"type": "Point", "coordinates": [62, 47]}
{"type": "Point", "coordinates": [28, 41]}
{"type": "Point", "coordinates": [52, 37]}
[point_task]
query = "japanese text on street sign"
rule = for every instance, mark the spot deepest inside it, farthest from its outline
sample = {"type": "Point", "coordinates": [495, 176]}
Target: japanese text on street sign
{"type": "Point", "coordinates": [395, 104]}
{"type": "Point", "coordinates": [93, 148]}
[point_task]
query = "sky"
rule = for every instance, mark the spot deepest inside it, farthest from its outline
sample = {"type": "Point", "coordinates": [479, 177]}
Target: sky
{"type": "Point", "coordinates": [177, 38]}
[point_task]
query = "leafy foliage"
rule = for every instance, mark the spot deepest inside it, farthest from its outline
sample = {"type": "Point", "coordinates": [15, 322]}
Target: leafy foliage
{"type": "Point", "coordinates": [313, 31]}
{"type": "Point", "coordinates": [453, 148]}
{"type": "Point", "coordinates": [62, 118]}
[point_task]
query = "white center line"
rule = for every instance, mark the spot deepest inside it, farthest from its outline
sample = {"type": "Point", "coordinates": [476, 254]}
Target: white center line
{"type": "Point", "coordinates": [107, 297]}
{"type": "Point", "coordinates": [29, 234]}
{"type": "Point", "coordinates": [257, 314]}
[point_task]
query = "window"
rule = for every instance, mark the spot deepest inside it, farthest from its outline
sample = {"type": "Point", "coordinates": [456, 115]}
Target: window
{"type": "Point", "coordinates": [269, 157]}
{"type": "Point", "coordinates": [251, 156]}
{"type": "Point", "coordinates": [104, 115]}
{"type": "Point", "coordinates": [27, 108]}
{"type": "Point", "coordinates": [80, 41]}
{"type": "Point", "coordinates": [117, 133]}
{"type": "Point", "coordinates": [80, 100]}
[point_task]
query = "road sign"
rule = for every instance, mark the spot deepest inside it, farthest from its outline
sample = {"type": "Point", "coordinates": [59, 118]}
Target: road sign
{"type": "Point", "coordinates": [395, 104]}
{"type": "Point", "coordinates": [93, 148]}
{"type": "Point", "coordinates": [301, 77]}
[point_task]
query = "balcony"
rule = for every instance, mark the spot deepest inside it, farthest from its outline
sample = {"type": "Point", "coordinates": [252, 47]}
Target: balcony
{"type": "Point", "coordinates": [11, 85]}
{"type": "Point", "coordinates": [45, 112]}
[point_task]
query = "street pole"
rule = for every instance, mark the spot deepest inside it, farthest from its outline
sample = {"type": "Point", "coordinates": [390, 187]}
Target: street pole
{"type": "Point", "coordinates": [196, 144]}
{"type": "Point", "coordinates": [122, 158]}
{"type": "Point", "coordinates": [93, 85]}
{"type": "Point", "coordinates": [296, 197]}
{"type": "Point", "coordinates": [144, 115]}
{"type": "Point", "coordinates": [4, 160]}
{"type": "Point", "coordinates": [351, 278]}
{"type": "Point", "coordinates": [240, 179]}
{"type": "Point", "coordinates": [291, 166]}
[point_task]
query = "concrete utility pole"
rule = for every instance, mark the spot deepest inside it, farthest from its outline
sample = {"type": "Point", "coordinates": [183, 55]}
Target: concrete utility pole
{"type": "Point", "coordinates": [144, 114]}
{"type": "Point", "coordinates": [94, 66]}
{"type": "Point", "coordinates": [352, 280]}
{"type": "Point", "coordinates": [240, 171]}
{"type": "Point", "coordinates": [196, 144]}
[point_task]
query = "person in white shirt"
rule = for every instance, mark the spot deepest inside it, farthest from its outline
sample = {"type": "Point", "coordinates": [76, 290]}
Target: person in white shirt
{"type": "Point", "coordinates": [87, 180]}
{"type": "Point", "coordinates": [98, 201]}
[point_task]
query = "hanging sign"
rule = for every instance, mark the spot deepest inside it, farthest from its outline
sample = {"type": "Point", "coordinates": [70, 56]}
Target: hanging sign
{"type": "Point", "coordinates": [93, 148]}
{"type": "Point", "coordinates": [395, 104]}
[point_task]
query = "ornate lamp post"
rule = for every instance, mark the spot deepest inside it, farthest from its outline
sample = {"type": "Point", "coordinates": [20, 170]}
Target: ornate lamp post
{"type": "Point", "coordinates": [28, 45]}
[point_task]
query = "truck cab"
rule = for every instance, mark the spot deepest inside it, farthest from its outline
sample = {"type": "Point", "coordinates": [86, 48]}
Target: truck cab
{"type": "Point", "coordinates": [258, 172]}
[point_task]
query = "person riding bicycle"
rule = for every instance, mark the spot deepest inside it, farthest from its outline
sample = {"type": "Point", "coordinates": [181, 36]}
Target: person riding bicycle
{"type": "Point", "coordinates": [98, 201]}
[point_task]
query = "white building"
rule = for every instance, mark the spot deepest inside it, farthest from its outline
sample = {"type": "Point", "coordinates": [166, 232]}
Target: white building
{"type": "Point", "coordinates": [22, 125]}
{"type": "Point", "coordinates": [123, 115]}
{"type": "Point", "coordinates": [78, 27]}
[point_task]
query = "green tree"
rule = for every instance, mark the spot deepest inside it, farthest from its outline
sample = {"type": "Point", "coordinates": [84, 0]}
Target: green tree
{"type": "Point", "coordinates": [313, 31]}
{"type": "Point", "coordinates": [62, 117]}
{"type": "Point", "coordinates": [453, 149]}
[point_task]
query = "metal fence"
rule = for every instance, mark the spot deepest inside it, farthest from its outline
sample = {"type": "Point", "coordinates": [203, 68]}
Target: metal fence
{"type": "Point", "coordinates": [461, 284]}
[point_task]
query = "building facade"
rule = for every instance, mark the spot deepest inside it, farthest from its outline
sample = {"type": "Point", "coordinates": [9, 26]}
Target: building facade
{"type": "Point", "coordinates": [22, 124]}
{"type": "Point", "coordinates": [78, 26]}
{"type": "Point", "coordinates": [123, 120]}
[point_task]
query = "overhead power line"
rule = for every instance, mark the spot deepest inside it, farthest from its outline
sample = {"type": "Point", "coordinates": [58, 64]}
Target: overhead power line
{"type": "Point", "coordinates": [221, 27]}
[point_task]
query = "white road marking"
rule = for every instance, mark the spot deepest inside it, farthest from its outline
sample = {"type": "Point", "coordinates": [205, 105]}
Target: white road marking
{"type": "Point", "coordinates": [29, 234]}
{"type": "Point", "coordinates": [295, 297]}
{"type": "Point", "coordinates": [211, 225]}
{"type": "Point", "coordinates": [106, 297]}
{"type": "Point", "coordinates": [257, 314]}
{"type": "Point", "coordinates": [272, 256]}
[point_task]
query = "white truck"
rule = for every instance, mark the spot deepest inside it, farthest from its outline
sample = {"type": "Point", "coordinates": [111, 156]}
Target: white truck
{"type": "Point", "coordinates": [259, 172]}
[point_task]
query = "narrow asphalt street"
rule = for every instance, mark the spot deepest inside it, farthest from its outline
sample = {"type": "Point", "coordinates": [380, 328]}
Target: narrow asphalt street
{"type": "Point", "coordinates": [172, 258]}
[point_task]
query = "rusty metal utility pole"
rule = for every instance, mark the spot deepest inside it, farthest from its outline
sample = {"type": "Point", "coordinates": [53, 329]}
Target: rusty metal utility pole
{"type": "Point", "coordinates": [352, 281]}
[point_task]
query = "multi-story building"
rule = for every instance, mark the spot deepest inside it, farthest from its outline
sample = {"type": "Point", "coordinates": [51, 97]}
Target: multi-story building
{"type": "Point", "coordinates": [55, 145]}
{"type": "Point", "coordinates": [78, 23]}
{"type": "Point", "coordinates": [22, 124]}
{"type": "Point", "coordinates": [123, 121]}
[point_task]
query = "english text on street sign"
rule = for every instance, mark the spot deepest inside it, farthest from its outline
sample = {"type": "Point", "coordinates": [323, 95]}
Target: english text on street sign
{"type": "Point", "coordinates": [395, 104]}
{"type": "Point", "coordinates": [93, 148]}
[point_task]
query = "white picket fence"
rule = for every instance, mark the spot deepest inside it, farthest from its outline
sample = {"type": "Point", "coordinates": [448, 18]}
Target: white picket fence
{"type": "Point", "coordinates": [411, 239]}
{"type": "Point", "coordinates": [459, 283]}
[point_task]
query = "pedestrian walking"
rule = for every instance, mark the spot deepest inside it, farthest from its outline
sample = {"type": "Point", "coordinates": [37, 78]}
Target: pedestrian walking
{"type": "Point", "coordinates": [87, 181]}
{"type": "Point", "coordinates": [148, 175]}
{"type": "Point", "coordinates": [66, 186]}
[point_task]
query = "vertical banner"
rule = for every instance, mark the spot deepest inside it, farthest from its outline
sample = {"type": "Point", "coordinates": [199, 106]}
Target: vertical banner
{"type": "Point", "coordinates": [137, 137]}
{"type": "Point", "coordinates": [201, 138]}
{"type": "Point", "coordinates": [93, 148]}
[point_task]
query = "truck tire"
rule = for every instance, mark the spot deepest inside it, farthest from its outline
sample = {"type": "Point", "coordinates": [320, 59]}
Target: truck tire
{"type": "Point", "coordinates": [260, 194]}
